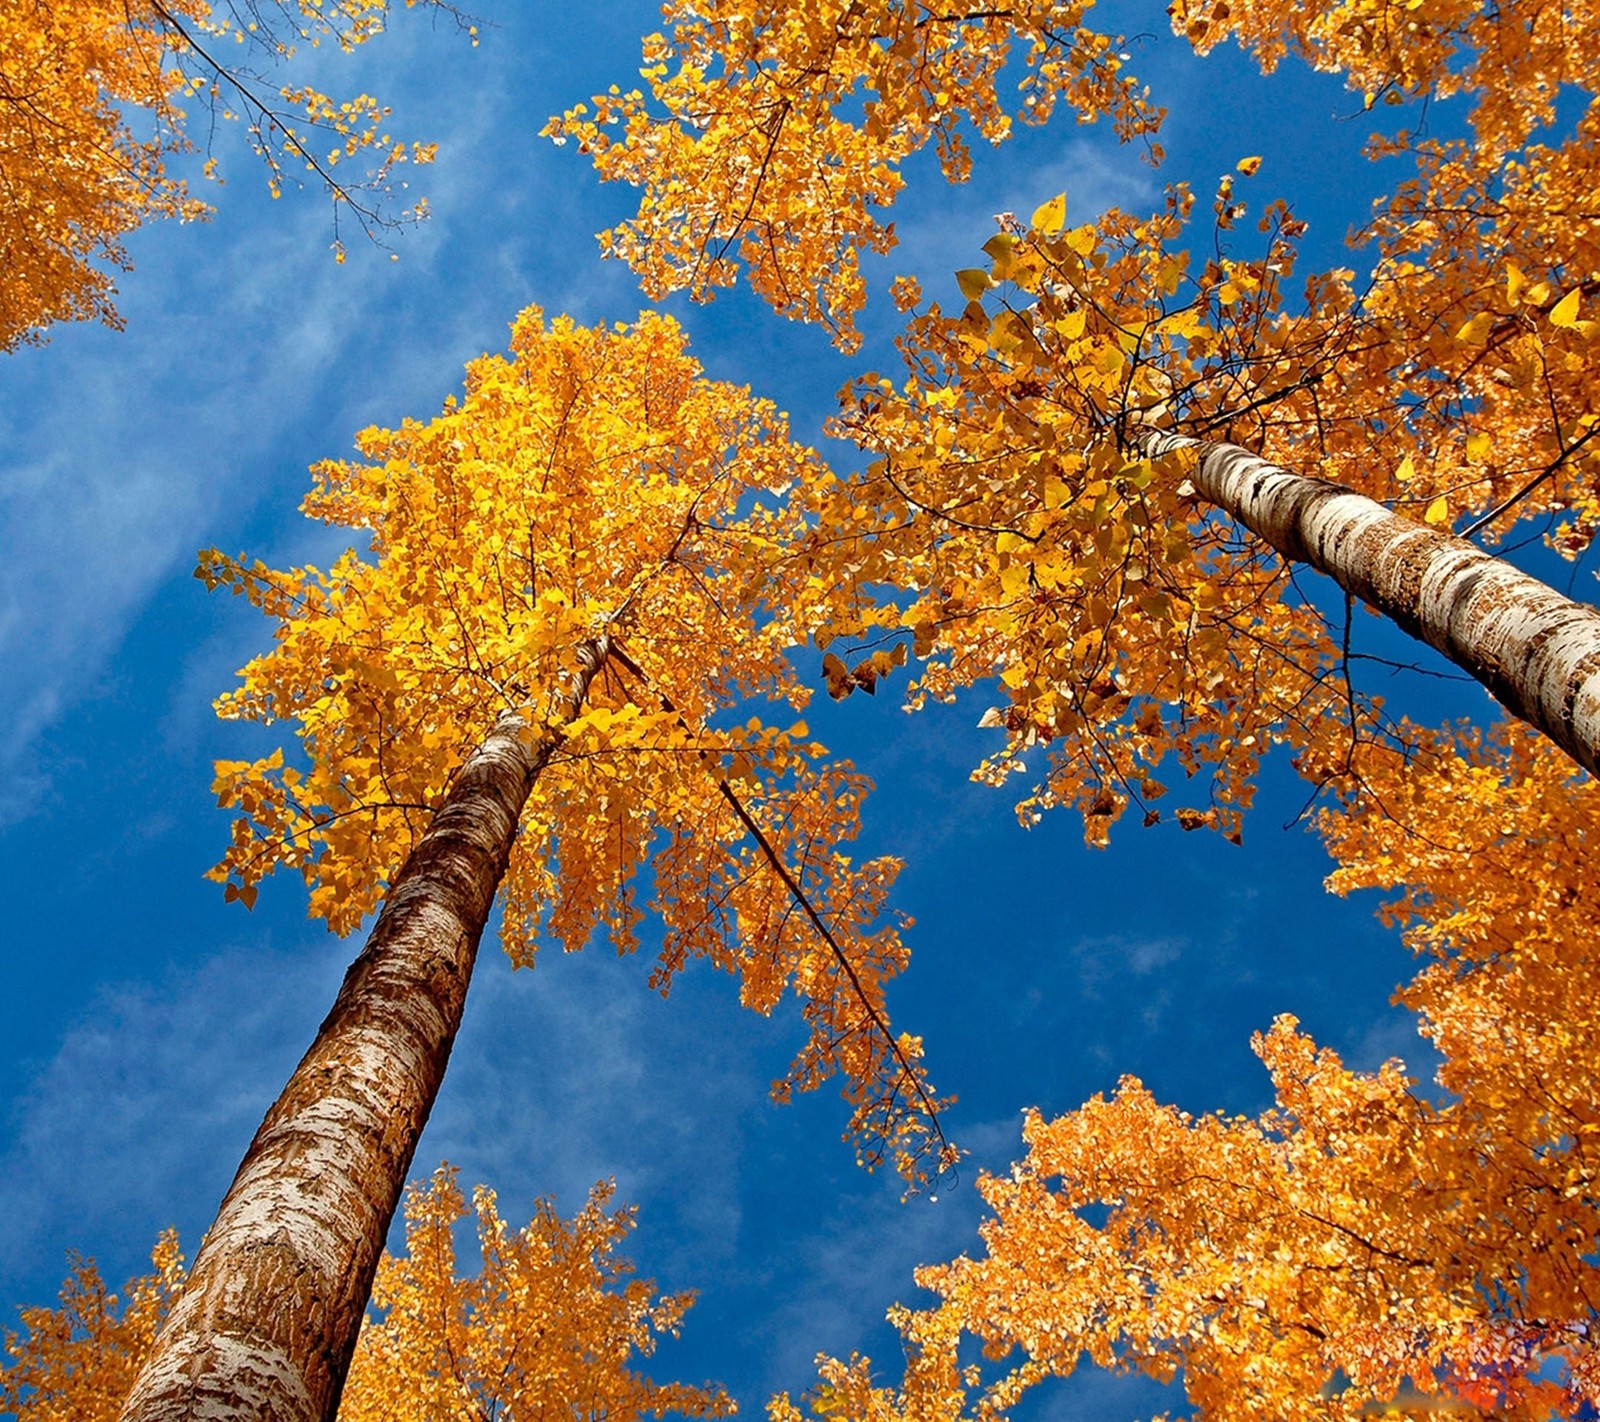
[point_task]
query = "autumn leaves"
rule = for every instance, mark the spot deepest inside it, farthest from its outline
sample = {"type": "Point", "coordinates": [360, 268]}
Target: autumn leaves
{"type": "Point", "coordinates": [775, 138]}
{"type": "Point", "coordinates": [591, 482]}
{"type": "Point", "coordinates": [551, 1320]}
{"type": "Point", "coordinates": [94, 101]}
{"type": "Point", "coordinates": [593, 565]}
{"type": "Point", "coordinates": [1360, 1242]}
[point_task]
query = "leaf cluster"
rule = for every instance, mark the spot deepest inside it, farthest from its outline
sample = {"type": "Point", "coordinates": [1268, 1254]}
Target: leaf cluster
{"type": "Point", "coordinates": [552, 1323]}
{"type": "Point", "coordinates": [95, 100]}
{"type": "Point", "coordinates": [591, 481]}
{"type": "Point", "coordinates": [776, 134]}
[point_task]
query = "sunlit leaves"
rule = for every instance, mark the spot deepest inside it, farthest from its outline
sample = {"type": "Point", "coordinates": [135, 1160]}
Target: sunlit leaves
{"type": "Point", "coordinates": [1123, 624]}
{"type": "Point", "coordinates": [774, 136]}
{"type": "Point", "coordinates": [1362, 1245]}
{"type": "Point", "coordinates": [1359, 1246]}
{"type": "Point", "coordinates": [94, 105]}
{"type": "Point", "coordinates": [589, 481]}
{"type": "Point", "coordinates": [1509, 61]}
{"type": "Point", "coordinates": [1489, 843]}
{"type": "Point", "coordinates": [78, 178]}
{"type": "Point", "coordinates": [550, 1324]}
{"type": "Point", "coordinates": [76, 1362]}
{"type": "Point", "coordinates": [1345, 1247]}
{"type": "Point", "coordinates": [1048, 217]}
{"type": "Point", "coordinates": [1565, 312]}
{"type": "Point", "coordinates": [1489, 398]}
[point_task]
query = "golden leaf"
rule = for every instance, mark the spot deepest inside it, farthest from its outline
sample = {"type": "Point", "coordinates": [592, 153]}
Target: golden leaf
{"type": "Point", "coordinates": [1049, 216]}
{"type": "Point", "coordinates": [1565, 312]}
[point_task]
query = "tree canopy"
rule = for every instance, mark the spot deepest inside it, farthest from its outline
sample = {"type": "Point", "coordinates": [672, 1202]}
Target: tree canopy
{"type": "Point", "coordinates": [606, 556]}
{"type": "Point", "coordinates": [590, 481]}
{"type": "Point", "coordinates": [95, 101]}
{"type": "Point", "coordinates": [1360, 1239]}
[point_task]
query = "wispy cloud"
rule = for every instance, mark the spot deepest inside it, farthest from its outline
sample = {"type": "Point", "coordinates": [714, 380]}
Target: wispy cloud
{"type": "Point", "coordinates": [574, 1072]}
{"type": "Point", "coordinates": [140, 1117]}
{"type": "Point", "coordinates": [857, 1256]}
{"type": "Point", "coordinates": [107, 494]}
{"type": "Point", "coordinates": [943, 228]}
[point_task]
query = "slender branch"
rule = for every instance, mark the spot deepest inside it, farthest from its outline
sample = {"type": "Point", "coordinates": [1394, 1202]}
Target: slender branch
{"type": "Point", "coordinates": [272, 126]}
{"type": "Point", "coordinates": [1533, 484]}
{"type": "Point", "coordinates": [803, 901]}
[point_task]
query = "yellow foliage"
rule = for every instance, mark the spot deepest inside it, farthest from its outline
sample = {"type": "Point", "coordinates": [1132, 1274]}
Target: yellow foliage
{"type": "Point", "coordinates": [76, 1362]}
{"type": "Point", "coordinates": [1361, 1248]}
{"type": "Point", "coordinates": [93, 99]}
{"type": "Point", "coordinates": [78, 179]}
{"type": "Point", "coordinates": [773, 134]}
{"type": "Point", "coordinates": [1457, 380]}
{"type": "Point", "coordinates": [1124, 624]}
{"type": "Point", "coordinates": [1507, 63]}
{"type": "Point", "coordinates": [589, 481]}
{"type": "Point", "coordinates": [551, 1324]}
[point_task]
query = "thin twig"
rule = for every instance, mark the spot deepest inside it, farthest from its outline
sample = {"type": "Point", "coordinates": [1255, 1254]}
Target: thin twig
{"type": "Point", "coordinates": [800, 897]}
{"type": "Point", "coordinates": [1528, 488]}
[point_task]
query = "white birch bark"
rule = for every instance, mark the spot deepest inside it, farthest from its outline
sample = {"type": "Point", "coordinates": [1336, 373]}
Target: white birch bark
{"type": "Point", "coordinates": [268, 1318]}
{"type": "Point", "coordinates": [1534, 649]}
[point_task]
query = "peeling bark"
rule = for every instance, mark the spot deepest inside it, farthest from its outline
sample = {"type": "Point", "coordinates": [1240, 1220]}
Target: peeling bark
{"type": "Point", "coordinates": [1536, 651]}
{"type": "Point", "coordinates": [269, 1316]}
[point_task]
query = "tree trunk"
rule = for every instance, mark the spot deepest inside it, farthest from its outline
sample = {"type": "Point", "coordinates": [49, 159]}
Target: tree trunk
{"type": "Point", "coordinates": [1535, 650]}
{"type": "Point", "coordinates": [269, 1316]}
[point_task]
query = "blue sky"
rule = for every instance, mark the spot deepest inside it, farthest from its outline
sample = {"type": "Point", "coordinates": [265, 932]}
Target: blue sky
{"type": "Point", "coordinates": [146, 1025]}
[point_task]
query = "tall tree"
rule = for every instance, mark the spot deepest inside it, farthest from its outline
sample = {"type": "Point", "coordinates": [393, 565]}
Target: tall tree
{"type": "Point", "coordinates": [1008, 502]}
{"type": "Point", "coordinates": [1035, 525]}
{"type": "Point", "coordinates": [1049, 506]}
{"type": "Point", "coordinates": [552, 1323]}
{"type": "Point", "coordinates": [93, 96]}
{"type": "Point", "coordinates": [559, 598]}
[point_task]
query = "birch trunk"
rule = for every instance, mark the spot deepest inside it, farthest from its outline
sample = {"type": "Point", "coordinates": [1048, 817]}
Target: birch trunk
{"type": "Point", "coordinates": [1534, 649]}
{"type": "Point", "coordinates": [269, 1316]}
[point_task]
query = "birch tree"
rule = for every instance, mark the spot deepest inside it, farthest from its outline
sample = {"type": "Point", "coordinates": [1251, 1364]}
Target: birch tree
{"type": "Point", "coordinates": [1089, 491]}
{"type": "Point", "coordinates": [524, 683]}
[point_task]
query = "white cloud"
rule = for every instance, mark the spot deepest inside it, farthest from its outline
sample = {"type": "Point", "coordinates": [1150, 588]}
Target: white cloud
{"type": "Point", "coordinates": [943, 228]}
{"type": "Point", "coordinates": [574, 1072]}
{"type": "Point", "coordinates": [855, 1255]}
{"type": "Point", "coordinates": [1394, 1037]}
{"type": "Point", "coordinates": [114, 479]}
